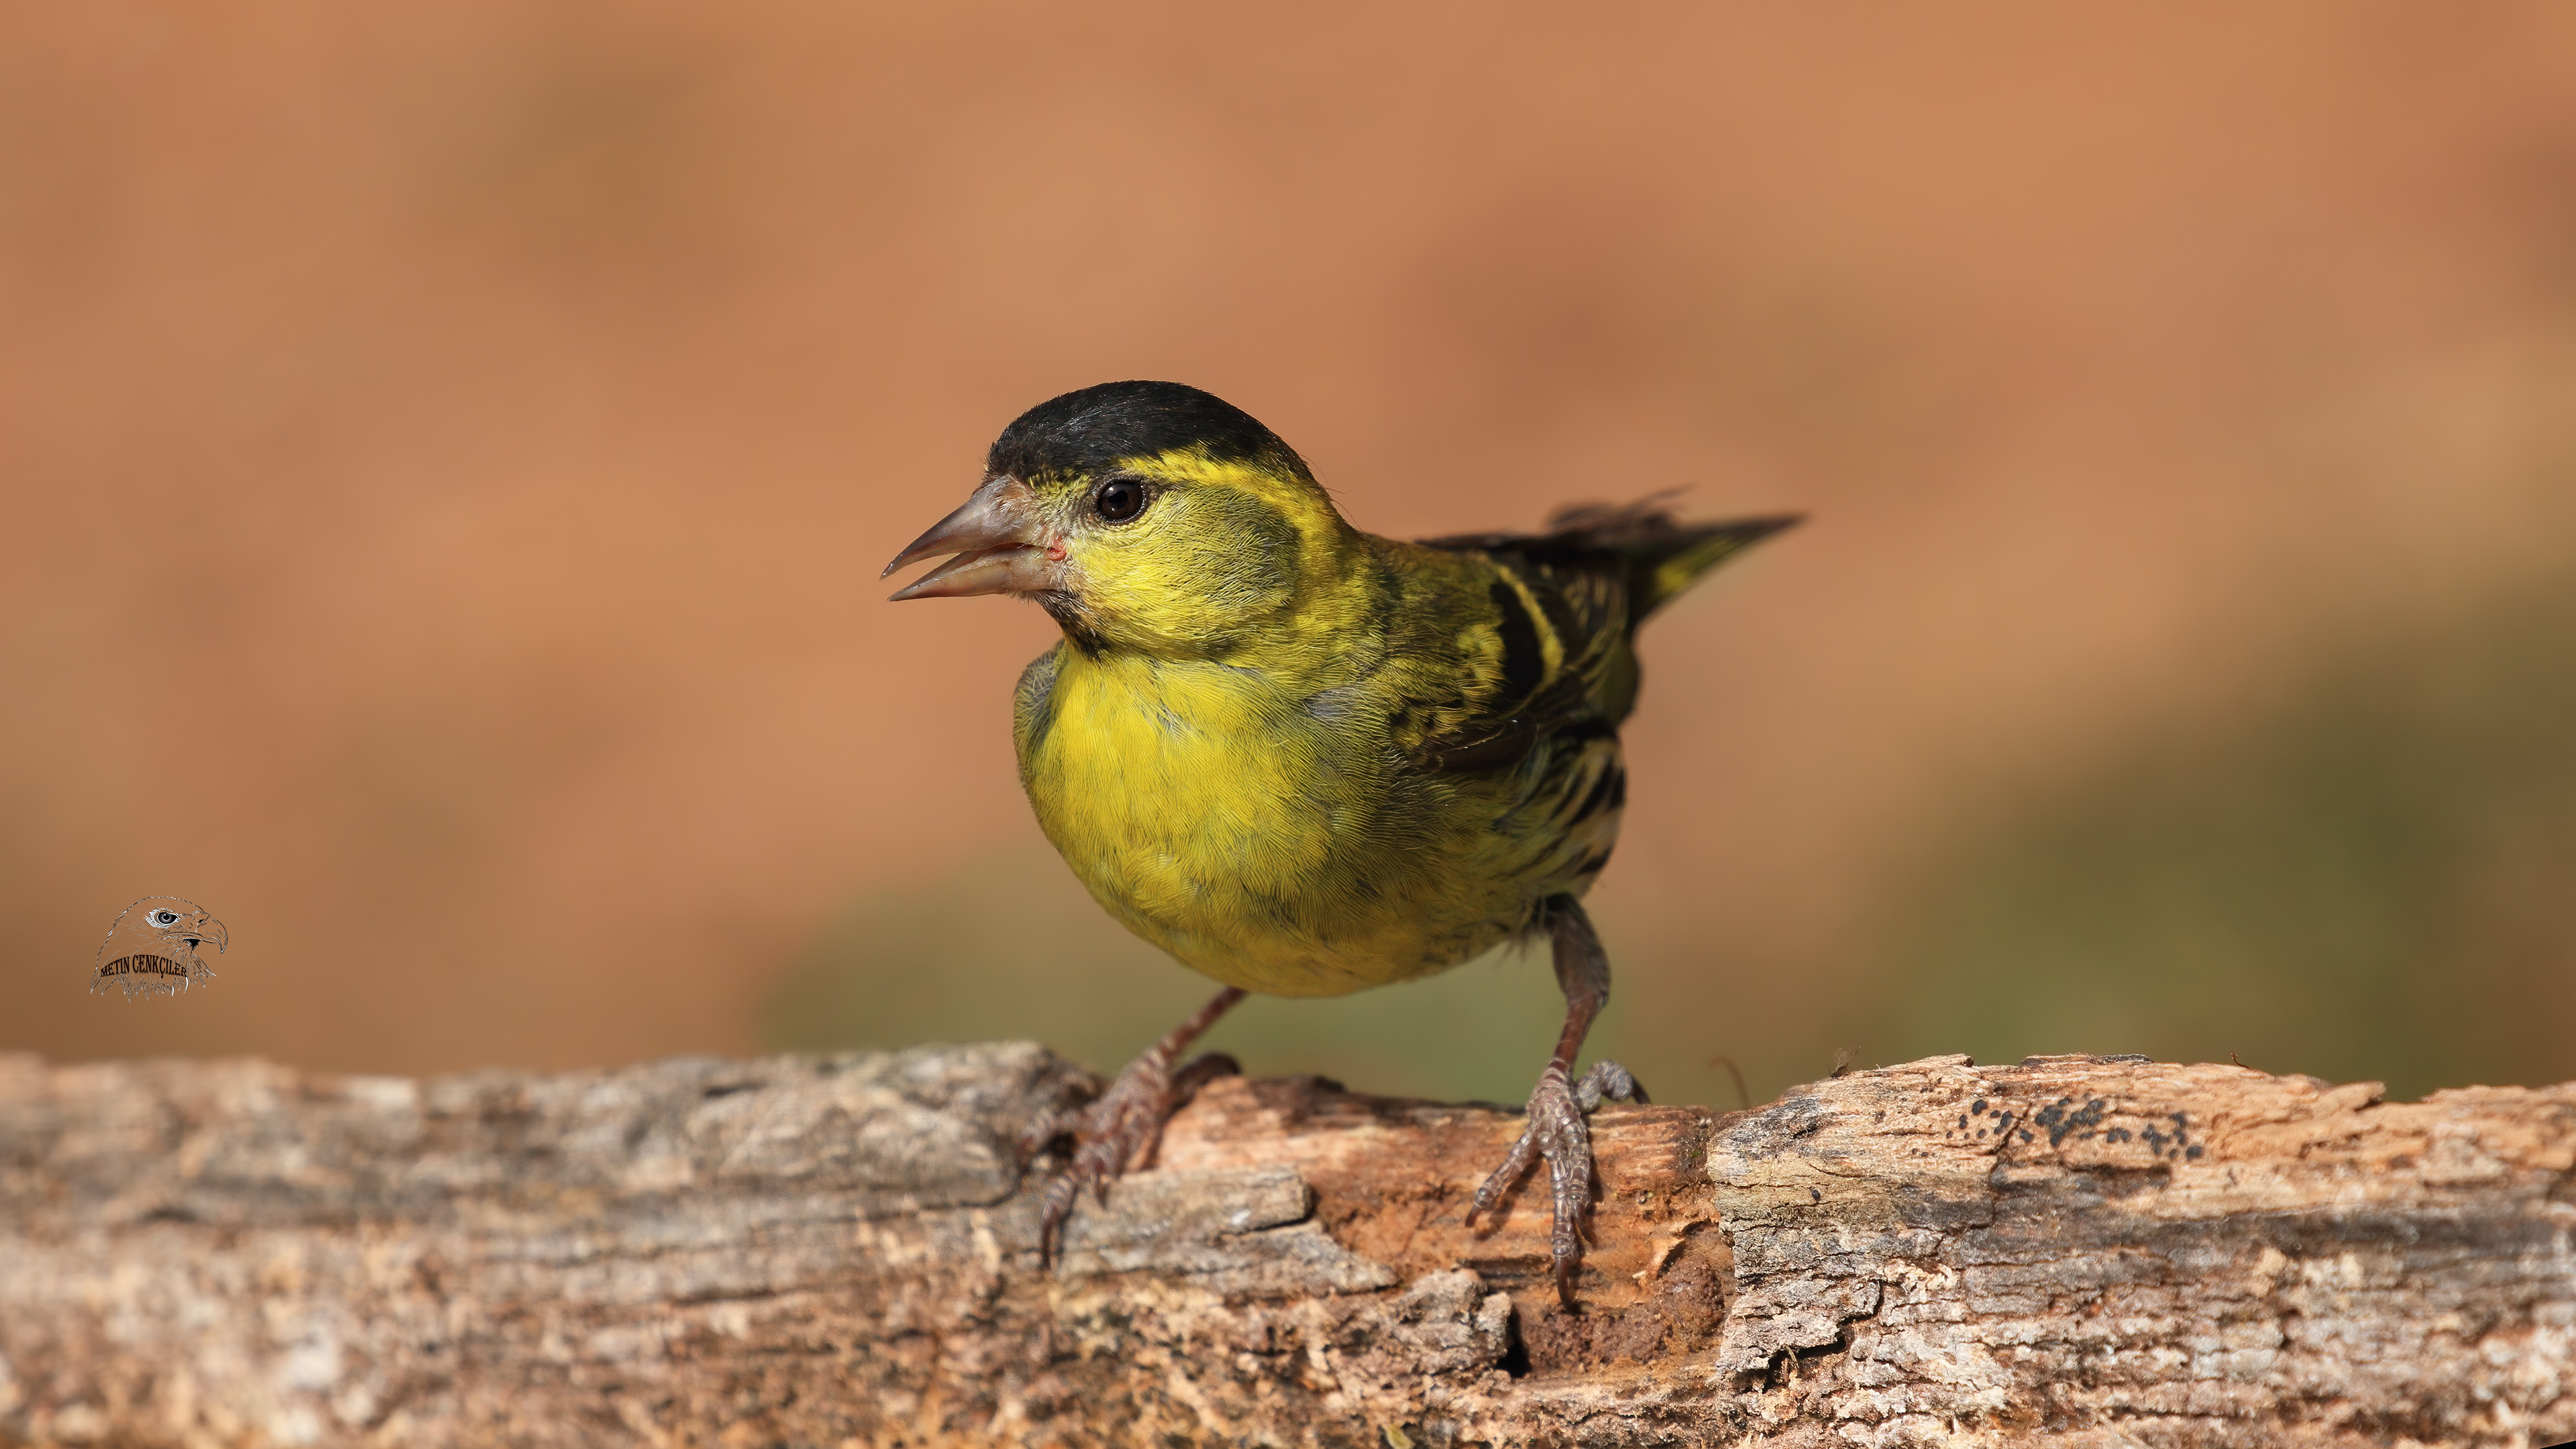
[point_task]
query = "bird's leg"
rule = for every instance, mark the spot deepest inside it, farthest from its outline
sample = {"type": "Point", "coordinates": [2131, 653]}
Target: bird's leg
{"type": "Point", "coordinates": [1121, 1127]}
{"type": "Point", "coordinates": [1558, 1105]}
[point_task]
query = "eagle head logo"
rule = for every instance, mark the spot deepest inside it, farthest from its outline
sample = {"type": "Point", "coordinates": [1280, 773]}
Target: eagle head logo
{"type": "Point", "coordinates": [152, 948]}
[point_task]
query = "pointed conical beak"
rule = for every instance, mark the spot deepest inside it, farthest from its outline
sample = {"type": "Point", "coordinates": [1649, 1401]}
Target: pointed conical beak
{"type": "Point", "coordinates": [1000, 547]}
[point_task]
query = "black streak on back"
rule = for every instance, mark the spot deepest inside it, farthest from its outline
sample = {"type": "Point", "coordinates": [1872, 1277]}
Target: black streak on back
{"type": "Point", "coordinates": [1523, 664]}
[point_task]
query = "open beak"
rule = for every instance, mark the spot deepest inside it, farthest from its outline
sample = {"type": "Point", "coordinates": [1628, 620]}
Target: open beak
{"type": "Point", "coordinates": [208, 929]}
{"type": "Point", "coordinates": [999, 543]}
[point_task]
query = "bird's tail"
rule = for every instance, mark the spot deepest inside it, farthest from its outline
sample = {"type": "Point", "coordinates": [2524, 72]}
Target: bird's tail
{"type": "Point", "coordinates": [1664, 557]}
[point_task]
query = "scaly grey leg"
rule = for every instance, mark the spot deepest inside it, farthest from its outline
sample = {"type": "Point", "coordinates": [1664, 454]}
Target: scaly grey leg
{"type": "Point", "coordinates": [1557, 1130]}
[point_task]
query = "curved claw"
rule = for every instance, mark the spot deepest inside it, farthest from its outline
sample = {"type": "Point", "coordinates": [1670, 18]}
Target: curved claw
{"type": "Point", "coordinates": [1115, 1134]}
{"type": "Point", "coordinates": [1524, 1152]}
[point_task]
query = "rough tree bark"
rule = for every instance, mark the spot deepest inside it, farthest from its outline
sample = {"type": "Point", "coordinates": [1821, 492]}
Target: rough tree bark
{"type": "Point", "coordinates": [839, 1250]}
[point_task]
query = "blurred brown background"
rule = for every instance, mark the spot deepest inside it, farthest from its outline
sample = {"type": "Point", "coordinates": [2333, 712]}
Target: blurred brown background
{"type": "Point", "coordinates": [446, 453]}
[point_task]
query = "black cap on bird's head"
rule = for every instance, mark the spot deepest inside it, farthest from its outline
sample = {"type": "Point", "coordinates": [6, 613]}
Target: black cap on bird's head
{"type": "Point", "coordinates": [1093, 430]}
{"type": "Point", "coordinates": [1144, 513]}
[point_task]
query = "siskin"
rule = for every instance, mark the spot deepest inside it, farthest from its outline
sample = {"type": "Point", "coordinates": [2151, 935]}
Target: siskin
{"type": "Point", "coordinates": [1303, 759]}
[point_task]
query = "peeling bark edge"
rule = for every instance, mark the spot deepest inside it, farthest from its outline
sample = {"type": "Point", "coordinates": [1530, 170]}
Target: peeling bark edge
{"type": "Point", "coordinates": [840, 1250]}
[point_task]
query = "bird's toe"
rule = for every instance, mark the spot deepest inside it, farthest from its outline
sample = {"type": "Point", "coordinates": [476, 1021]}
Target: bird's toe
{"type": "Point", "coordinates": [1114, 1134]}
{"type": "Point", "coordinates": [1557, 1133]}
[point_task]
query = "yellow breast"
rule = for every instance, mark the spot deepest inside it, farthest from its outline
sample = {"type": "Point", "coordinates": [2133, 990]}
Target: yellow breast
{"type": "Point", "coordinates": [1259, 840]}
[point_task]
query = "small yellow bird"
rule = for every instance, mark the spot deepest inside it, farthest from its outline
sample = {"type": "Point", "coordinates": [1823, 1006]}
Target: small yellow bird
{"type": "Point", "coordinates": [1303, 759]}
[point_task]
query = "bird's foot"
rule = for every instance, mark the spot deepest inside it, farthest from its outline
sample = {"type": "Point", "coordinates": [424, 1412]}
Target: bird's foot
{"type": "Point", "coordinates": [1117, 1131]}
{"type": "Point", "coordinates": [1558, 1132]}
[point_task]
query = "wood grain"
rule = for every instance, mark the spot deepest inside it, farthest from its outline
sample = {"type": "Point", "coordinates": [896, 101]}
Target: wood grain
{"type": "Point", "coordinates": [834, 1251]}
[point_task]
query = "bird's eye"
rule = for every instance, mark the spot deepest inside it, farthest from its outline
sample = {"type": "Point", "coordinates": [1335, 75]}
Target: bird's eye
{"type": "Point", "coordinates": [165, 918]}
{"type": "Point", "coordinates": [1119, 499]}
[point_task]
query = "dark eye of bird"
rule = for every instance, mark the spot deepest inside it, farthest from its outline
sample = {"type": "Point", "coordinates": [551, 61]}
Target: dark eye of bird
{"type": "Point", "coordinates": [165, 918]}
{"type": "Point", "coordinates": [1119, 499]}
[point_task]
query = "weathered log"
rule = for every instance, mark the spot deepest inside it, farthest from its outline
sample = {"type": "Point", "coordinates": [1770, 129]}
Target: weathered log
{"type": "Point", "coordinates": [840, 1250]}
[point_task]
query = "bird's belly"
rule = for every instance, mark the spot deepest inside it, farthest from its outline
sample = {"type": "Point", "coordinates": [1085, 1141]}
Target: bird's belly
{"type": "Point", "coordinates": [1250, 841]}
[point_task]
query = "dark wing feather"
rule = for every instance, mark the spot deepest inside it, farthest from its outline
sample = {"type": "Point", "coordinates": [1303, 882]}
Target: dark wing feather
{"type": "Point", "coordinates": [1596, 573]}
{"type": "Point", "coordinates": [1652, 556]}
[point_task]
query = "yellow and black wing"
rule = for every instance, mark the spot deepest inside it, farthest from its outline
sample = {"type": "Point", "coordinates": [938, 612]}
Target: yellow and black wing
{"type": "Point", "coordinates": [1565, 605]}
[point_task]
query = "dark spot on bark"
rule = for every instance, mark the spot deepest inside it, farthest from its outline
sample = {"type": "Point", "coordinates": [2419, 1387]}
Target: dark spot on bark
{"type": "Point", "coordinates": [2059, 1121]}
{"type": "Point", "coordinates": [2113, 1183]}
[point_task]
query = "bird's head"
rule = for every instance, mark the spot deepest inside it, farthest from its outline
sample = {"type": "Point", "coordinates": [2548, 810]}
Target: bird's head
{"type": "Point", "coordinates": [1142, 515]}
{"type": "Point", "coordinates": [177, 927]}
{"type": "Point", "coordinates": [151, 949]}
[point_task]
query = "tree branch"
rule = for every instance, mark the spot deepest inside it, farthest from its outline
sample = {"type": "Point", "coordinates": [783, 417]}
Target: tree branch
{"type": "Point", "coordinates": [839, 1250]}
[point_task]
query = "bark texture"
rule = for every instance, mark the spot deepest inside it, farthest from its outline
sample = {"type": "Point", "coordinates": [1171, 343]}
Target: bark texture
{"type": "Point", "coordinates": [834, 1251]}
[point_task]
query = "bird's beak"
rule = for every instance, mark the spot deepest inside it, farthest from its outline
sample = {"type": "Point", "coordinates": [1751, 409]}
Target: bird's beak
{"type": "Point", "coordinates": [208, 929]}
{"type": "Point", "coordinates": [1000, 542]}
